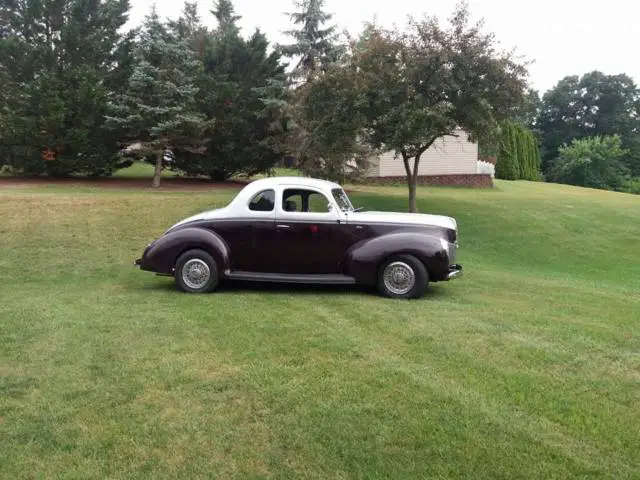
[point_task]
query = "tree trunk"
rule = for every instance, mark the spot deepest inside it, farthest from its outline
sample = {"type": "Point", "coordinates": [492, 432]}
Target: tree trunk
{"type": "Point", "coordinates": [413, 205]}
{"type": "Point", "coordinates": [412, 180]}
{"type": "Point", "coordinates": [158, 170]}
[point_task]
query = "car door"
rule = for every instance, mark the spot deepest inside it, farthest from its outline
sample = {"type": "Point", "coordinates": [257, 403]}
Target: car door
{"type": "Point", "coordinates": [311, 235]}
{"type": "Point", "coordinates": [252, 235]}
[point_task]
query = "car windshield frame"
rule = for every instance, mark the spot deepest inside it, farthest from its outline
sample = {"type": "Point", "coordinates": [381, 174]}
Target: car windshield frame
{"type": "Point", "coordinates": [342, 199]}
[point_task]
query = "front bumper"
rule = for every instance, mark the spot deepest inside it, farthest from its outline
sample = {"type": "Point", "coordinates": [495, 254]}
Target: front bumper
{"type": "Point", "coordinates": [455, 271]}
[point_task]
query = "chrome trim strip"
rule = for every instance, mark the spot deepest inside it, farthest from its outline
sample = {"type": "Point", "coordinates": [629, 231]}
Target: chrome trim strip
{"type": "Point", "coordinates": [358, 223]}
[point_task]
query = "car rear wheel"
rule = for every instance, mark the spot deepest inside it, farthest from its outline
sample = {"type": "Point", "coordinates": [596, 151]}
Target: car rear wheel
{"type": "Point", "coordinates": [403, 276]}
{"type": "Point", "coordinates": [196, 272]}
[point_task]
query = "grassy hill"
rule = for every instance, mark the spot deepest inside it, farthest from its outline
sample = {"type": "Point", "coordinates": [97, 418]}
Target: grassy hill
{"type": "Point", "coordinates": [527, 367]}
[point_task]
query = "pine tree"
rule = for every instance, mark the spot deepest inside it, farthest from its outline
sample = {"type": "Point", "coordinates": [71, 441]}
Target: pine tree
{"type": "Point", "coordinates": [314, 45]}
{"type": "Point", "coordinates": [190, 29]}
{"type": "Point", "coordinates": [315, 48]}
{"type": "Point", "coordinates": [60, 59]}
{"type": "Point", "coordinates": [242, 93]}
{"type": "Point", "coordinates": [158, 108]}
{"type": "Point", "coordinates": [225, 14]}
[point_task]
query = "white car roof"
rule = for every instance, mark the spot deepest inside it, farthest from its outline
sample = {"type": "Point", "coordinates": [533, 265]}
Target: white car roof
{"type": "Point", "coordinates": [293, 182]}
{"type": "Point", "coordinates": [256, 186]}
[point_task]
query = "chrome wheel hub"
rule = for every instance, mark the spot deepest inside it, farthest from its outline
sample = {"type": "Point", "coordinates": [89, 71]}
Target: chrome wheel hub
{"type": "Point", "coordinates": [196, 273]}
{"type": "Point", "coordinates": [399, 278]}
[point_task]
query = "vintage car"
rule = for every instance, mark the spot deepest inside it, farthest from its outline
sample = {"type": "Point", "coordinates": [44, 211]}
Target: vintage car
{"type": "Point", "coordinates": [304, 230]}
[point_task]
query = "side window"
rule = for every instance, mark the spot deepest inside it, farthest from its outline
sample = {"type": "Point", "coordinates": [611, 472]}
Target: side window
{"type": "Point", "coordinates": [318, 203]}
{"type": "Point", "coordinates": [305, 201]}
{"type": "Point", "coordinates": [263, 202]}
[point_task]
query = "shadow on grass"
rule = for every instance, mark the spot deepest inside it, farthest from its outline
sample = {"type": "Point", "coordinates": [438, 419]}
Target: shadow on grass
{"type": "Point", "coordinates": [239, 287]}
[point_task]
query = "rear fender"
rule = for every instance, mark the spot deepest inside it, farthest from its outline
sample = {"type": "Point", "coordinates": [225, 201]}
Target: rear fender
{"type": "Point", "coordinates": [364, 259]}
{"type": "Point", "coordinates": [161, 255]}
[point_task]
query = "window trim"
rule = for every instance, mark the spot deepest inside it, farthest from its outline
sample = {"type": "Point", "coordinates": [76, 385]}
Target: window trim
{"type": "Point", "coordinates": [333, 215]}
{"type": "Point", "coordinates": [261, 192]}
{"type": "Point", "coordinates": [304, 192]}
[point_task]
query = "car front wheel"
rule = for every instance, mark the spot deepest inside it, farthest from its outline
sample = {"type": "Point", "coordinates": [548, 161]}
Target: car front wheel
{"type": "Point", "coordinates": [403, 276]}
{"type": "Point", "coordinates": [196, 272]}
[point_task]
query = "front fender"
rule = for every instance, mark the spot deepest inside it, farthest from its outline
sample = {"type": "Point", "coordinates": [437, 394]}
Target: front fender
{"type": "Point", "coordinates": [161, 255]}
{"type": "Point", "coordinates": [363, 260]}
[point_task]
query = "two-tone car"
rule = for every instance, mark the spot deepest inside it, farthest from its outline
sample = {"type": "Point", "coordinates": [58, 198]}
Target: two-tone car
{"type": "Point", "coordinates": [305, 230]}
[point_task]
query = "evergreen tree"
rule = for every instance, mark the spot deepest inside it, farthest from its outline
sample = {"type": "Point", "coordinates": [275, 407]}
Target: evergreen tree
{"type": "Point", "coordinates": [158, 107]}
{"type": "Point", "coordinates": [315, 48]}
{"type": "Point", "coordinates": [315, 45]}
{"type": "Point", "coordinates": [506, 166]}
{"type": "Point", "coordinates": [60, 59]}
{"type": "Point", "coordinates": [519, 153]}
{"type": "Point", "coordinates": [243, 89]}
{"type": "Point", "coordinates": [225, 14]}
{"type": "Point", "coordinates": [190, 29]}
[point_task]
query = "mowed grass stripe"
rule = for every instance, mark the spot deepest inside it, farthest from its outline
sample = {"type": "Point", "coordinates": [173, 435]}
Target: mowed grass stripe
{"type": "Point", "coordinates": [527, 367]}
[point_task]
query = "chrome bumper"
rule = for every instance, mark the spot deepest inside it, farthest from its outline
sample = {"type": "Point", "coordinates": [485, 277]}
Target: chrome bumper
{"type": "Point", "coordinates": [455, 271]}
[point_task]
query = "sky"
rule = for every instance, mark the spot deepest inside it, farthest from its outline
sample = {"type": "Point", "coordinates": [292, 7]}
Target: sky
{"type": "Point", "coordinates": [560, 37]}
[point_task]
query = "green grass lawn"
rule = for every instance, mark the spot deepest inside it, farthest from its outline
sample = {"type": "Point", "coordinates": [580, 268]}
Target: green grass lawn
{"type": "Point", "coordinates": [527, 367]}
{"type": "Point", "coordinates": [141, 170]}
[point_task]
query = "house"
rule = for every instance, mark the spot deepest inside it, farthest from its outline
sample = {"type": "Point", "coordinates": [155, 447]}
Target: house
{"type": "Point", "coordinates": [451, 160]}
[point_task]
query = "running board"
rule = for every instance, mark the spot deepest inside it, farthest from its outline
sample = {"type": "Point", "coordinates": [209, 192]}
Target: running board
{"type": "Point", "coordinates": [329, 279]}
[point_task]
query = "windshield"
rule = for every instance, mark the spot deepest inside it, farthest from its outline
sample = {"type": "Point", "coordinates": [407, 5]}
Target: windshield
{"type": "Point", "coordinates": [343, 200]}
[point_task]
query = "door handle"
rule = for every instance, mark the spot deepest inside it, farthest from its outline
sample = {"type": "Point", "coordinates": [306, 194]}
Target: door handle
{"type": "Point", "coordinates": [283, 226]}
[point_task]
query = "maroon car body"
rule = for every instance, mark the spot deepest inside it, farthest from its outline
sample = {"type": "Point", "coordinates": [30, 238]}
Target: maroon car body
{"type": "Point", "coordinates": [303, 230]}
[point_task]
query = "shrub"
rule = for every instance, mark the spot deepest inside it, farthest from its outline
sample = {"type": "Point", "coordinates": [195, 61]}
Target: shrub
{"type": "Point", "coordinates": [595, 162]}
{"type": "Point", "coordinates": [632, 186]}
{"type": "Point", "coordinates": [519, 155]}
{"type": "Point", "coordinates": [6, 171]}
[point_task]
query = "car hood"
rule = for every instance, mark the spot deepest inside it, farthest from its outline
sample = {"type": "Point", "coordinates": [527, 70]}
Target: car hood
{"type": "Point", "coordinates": [403, 218]}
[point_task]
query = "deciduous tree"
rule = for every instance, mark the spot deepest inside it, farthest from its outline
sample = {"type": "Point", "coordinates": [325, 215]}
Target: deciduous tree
{"type": "Point", "coordinates": [592, 105]}
{"type": "Point", "coordinates": [595, 162]}
{"type": "Point", "coordinates": [424, 82]}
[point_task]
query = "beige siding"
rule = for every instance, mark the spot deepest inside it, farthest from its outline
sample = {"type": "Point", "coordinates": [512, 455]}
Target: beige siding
{"type": "Point", "coordinates": [448, 155]}
{"type": "Point", "coordinates": [373, 168]}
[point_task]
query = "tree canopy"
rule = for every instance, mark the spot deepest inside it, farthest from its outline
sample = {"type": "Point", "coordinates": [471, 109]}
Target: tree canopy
{"type": "Point", "coordinates": [77, 87]}
{"type": "Point", "coordinates": [592, 105]}
{"type": "Point", "coordinates": [242, 89]}
{"type": "Point", "coordinates": [518, 154]}
{"type": "Point", "coordinates": [158, 108]}
{"type": "Point", "coordinates": [421, 83]}
{"type": "Point", "coordinates": [59, 60]}
{"type": "Point", "coordinates": [595, 162]}
{"type": "Point", "coordinates": [315, 45]}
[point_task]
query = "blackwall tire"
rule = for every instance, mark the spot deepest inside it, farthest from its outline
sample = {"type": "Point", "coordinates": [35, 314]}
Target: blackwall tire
{"type": "Point", "coordinates": [196, 272]}
{"type": "Point", "coordinates": [403, 276]}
